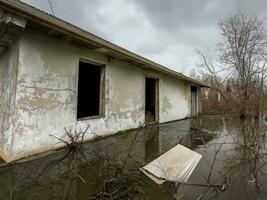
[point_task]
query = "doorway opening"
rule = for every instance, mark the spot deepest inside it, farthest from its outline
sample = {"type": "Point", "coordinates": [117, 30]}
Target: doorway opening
{"type": "Point", "coordinates": [193, 101]}
{"type": "Point", "coordinates": [151, 100]}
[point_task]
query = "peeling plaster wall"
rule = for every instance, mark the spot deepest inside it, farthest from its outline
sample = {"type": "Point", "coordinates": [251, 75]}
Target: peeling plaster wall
{"type": "Point", "coordinates": [8, 74]}
{"type": "Point", "coordinates": [173, 99]}
{"type": "Point", "coordinates": [46, 95]}
{"type": "Point", "coordinates": [126, 96]}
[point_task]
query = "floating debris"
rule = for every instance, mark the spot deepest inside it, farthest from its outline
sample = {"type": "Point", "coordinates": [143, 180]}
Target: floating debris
{"type": "Point", "coordinates": [176, 165]}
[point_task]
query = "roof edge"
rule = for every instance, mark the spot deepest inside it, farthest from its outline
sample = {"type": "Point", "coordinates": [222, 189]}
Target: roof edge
{"type": "Point", "coordinates": [45, 19]}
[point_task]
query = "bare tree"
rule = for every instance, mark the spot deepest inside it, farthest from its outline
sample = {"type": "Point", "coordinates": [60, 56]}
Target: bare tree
{"type": "Point", "coordinates": [242, 58]}
{"type": "Point", "coordinates": [51, 7]}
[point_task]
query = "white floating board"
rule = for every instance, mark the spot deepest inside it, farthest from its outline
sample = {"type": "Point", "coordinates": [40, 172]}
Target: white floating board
{"type": "Point", "coordinates": [176, 165]}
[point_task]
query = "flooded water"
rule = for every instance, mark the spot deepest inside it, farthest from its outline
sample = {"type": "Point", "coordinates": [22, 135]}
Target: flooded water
{"type": "Point", "coordinates": [233, 165]}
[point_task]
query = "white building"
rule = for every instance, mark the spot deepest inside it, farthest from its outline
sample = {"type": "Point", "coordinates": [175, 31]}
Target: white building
{"type": "Point", "coordinates": [54, 75]}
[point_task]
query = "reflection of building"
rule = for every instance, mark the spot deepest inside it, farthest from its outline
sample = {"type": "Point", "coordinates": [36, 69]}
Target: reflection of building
{"type": "Point", "coordinates": [171, 134]}
{"type": "Point", "coordinates": [54, 176]}
{"type": "Point", "coordinates": [54, 76]}
{"type": "Point", "coordinates": [62, 177]}
{"type": "Point", "coordinates": [152, 144]}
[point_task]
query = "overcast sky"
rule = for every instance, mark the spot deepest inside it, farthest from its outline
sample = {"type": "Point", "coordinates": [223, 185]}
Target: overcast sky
{"type": "Point", "coordinates": [166, 31]}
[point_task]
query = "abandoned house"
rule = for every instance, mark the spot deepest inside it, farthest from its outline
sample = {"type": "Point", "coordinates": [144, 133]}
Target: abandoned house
{"type": "Point", "coordinates": [54, 75]}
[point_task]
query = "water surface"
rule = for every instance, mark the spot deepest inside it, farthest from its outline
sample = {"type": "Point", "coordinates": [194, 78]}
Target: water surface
{"type": "Point", "coordinates": [233, 165]}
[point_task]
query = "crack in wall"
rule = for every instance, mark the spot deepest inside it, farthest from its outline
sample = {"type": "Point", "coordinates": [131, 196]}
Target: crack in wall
{"type": "Point", "coordinates": [50, 89]}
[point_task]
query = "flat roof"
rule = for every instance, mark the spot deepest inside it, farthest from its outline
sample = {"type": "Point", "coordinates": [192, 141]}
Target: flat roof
{"type": "Point", "coordinates": [67, 31]}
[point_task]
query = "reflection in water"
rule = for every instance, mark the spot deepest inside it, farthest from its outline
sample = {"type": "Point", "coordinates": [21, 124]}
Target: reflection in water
{"type": "Point", "coordinates": [152, 144]}
{"type": "Point", "coordinates": [246, 167]}
{"type": "Point", "coordinates": [233, 165]}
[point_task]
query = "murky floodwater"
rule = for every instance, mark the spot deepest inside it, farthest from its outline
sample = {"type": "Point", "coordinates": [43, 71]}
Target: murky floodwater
{"type": "Point", "coordinates": [233, 165]}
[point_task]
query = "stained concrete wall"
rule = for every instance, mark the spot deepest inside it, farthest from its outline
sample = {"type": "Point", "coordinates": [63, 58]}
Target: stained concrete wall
{"type": "Point", "coordinates": [173, 99]}
{"type": "Point", "coordinates": [8, 75]}
{"type": "Point", "coordinates": [46, 94]}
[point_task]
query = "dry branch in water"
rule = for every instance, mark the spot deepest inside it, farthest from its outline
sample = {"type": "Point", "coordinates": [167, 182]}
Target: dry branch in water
{"type": "Point", "coordinates": [75, 138]}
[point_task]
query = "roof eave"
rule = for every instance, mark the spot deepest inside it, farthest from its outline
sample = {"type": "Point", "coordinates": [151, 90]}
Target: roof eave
{"type": "Point", "coordinates": [31, 13]}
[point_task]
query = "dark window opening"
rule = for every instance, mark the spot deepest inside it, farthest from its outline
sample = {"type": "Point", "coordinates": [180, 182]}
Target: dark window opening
{"type": "Point", "coordinates": [150, 100]}
{"type": "Point", "coordinates": [89, 90]}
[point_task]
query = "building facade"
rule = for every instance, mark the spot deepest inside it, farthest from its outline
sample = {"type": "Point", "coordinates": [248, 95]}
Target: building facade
{"type": "Point", "coordinates": [57, 77]}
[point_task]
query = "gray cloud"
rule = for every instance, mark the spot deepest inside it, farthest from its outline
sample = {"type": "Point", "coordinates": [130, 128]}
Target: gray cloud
{"type": "Point", "coordinates": [166, 31]}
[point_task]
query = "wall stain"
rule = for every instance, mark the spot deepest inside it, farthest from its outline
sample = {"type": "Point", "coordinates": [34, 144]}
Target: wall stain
{"type": "Point", "coordinates": [166, 105]}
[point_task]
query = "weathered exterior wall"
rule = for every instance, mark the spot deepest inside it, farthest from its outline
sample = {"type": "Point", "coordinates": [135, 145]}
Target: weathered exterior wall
{"type": "Point", "coordinates": [173, 99]}
{"type": "Point", "coordinates": [126, 96]}
{"type": "Point", "coordinates": [46, 94]}
{"type": "Point", "coordinates": [8, 75]}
